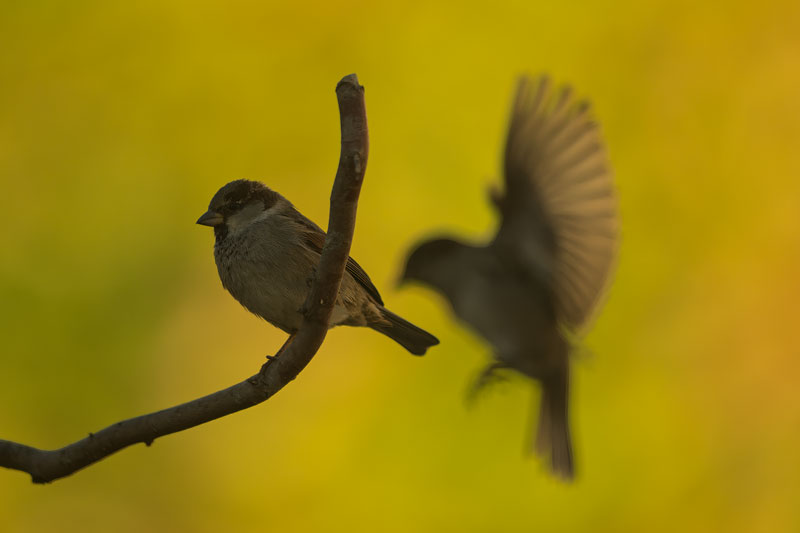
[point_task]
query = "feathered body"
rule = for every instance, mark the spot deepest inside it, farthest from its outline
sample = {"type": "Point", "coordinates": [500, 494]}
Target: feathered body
{"type": "Point", "coordinates": [542, 276]}
{"type": "Point", "coordinates": [266, 254]}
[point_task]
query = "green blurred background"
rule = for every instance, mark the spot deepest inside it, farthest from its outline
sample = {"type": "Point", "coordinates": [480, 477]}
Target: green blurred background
{"type": "Point", "coordinates": [118, 121]}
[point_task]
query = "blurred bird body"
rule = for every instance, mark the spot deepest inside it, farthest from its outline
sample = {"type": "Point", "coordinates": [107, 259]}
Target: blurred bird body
{"type": "Point", "coordinates": [266, 254]}
{"type": "Point", "coordinates": [540, 279]}
{"type": "Point", "coordinates": [509, 310]}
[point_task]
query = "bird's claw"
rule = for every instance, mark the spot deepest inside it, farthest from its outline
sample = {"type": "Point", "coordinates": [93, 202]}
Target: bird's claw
{"type": "Point", "coordinates": [488, 375]}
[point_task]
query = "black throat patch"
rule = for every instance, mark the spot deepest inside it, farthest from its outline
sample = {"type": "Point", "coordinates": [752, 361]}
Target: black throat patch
{"type": "Point", "coordinates": [220, 232]}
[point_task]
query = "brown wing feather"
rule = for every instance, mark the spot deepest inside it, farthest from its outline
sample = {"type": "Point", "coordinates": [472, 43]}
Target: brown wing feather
{"type": "Point", "coordinates": [315, 239]}
{"type": "Point", "coordinates": [559, 208]}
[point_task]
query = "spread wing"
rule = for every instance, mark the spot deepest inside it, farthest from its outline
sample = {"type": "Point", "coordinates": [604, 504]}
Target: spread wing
{"type": "Point", "coordinates": [559, 210]}
{"type": "Point", "coordinates": [315, 238]}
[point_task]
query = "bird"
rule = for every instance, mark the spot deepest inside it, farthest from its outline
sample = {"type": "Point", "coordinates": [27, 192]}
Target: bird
{"type": "Point", "coordinates": [266, 254]}
{"type": "Point", "coordinates": [532, 290]}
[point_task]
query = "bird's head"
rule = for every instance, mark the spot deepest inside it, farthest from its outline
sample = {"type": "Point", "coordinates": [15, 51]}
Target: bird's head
{"type": "Point", "coordinates": [237, 204]}
{"type": "Point", "coordinates": [431, 263]}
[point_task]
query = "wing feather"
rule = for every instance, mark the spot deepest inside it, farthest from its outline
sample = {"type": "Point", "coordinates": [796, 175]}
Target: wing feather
{"type": "Point", "coordinates": [315, 239]}
{"type": "Point", "coordinates": [560, 206]}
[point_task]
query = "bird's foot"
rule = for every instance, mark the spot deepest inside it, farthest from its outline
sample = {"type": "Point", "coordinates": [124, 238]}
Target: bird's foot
{"type": "Point", "coordinates": [487, 376]}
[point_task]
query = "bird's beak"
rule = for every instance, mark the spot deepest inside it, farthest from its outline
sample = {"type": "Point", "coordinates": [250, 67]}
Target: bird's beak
{"type": "Point", "coordinates": [210, 218]}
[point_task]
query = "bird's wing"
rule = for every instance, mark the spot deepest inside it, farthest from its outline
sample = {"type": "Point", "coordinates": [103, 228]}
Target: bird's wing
{"type": "Point", "coordinates": [559, 208]}
{"type": "Point", "coordinates": [315, 239]}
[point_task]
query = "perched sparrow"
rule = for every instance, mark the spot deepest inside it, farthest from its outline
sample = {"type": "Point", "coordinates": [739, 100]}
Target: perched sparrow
{"type": "Point", "coordinates": [533, 288]}
{"type": "Point", "coordinates": [266, 253]}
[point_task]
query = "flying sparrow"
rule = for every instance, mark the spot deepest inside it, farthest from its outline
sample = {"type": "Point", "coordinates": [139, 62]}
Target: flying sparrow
{"type": "Point", "coordinates": [531, 291]}
{"type": "Point", "coordinates": [266, 253]}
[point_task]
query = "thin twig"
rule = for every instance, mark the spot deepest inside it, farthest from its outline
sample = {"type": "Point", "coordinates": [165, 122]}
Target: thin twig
{"type": "Point", "coordinates": [48, 465]}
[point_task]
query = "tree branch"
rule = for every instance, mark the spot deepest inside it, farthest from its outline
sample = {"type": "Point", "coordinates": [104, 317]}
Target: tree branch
{"type": "Point", "coordinates": [48, 465]}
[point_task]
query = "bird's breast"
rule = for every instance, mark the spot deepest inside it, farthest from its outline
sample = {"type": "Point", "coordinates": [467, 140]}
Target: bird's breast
{"type": "Point", "coordinates": [267, 272]}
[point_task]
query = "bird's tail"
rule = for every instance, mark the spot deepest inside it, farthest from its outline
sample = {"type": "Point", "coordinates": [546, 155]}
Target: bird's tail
{"type": "Point", "coordinates": [553, 440]}
{"type": "Point", "coordinates": [409, 336]}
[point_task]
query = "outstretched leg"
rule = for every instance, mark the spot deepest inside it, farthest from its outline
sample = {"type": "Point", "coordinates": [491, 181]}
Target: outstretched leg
{"type": "Point", "coordinates": [487, 376]}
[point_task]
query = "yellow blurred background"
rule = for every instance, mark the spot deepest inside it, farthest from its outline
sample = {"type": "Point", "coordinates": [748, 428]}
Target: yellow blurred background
{"type": "Point", "coordinates": [118, 121]}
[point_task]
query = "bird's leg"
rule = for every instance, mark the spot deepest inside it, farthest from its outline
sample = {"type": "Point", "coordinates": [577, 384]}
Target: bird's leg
{"type": "Point", "coordinates": [283, 348]}
{"type": "Point", "coordinates": [487, 376]}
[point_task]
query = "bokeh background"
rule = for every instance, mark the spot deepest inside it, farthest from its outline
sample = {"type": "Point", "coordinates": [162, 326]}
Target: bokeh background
{"type": "Point", "coordinates": [118, 121]}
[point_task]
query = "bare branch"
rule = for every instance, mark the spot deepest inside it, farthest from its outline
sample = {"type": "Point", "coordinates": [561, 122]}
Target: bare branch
{"type": "Point", "coordinates": [48, 465]}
